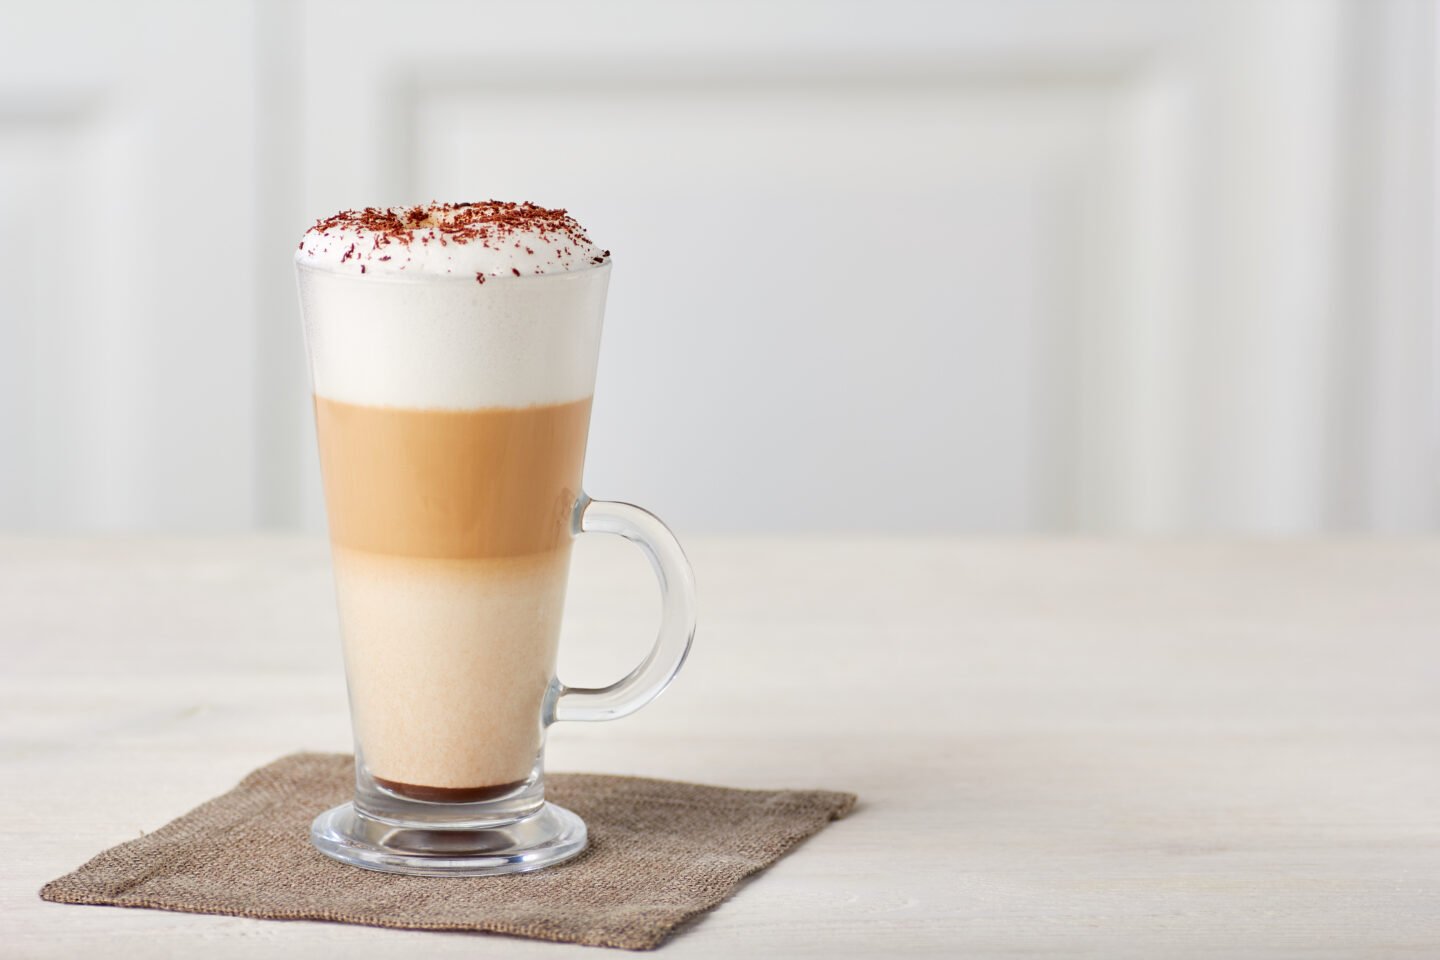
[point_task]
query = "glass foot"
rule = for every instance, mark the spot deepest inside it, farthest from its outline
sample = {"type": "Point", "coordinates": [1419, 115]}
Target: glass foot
{"type": "Point", "coordinates": [549, 836]}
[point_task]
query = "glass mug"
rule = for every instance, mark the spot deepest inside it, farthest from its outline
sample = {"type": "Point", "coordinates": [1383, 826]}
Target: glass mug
{"type": "Point", "coordinates": [452, 418]}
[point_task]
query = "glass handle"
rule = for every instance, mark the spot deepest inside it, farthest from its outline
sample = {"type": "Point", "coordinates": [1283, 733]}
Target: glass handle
{"type": "Point", "coordinates": [677, 613]}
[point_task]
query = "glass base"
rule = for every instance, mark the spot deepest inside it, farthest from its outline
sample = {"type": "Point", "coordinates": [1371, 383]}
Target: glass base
{"type": "Point", "coordinates": [546, 837]}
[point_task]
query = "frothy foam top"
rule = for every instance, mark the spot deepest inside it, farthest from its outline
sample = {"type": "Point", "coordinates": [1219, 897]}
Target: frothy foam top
{"type": "Point", "coordinates": [453, 344]}
{"type": "Point", "coordinates": [491, 238]}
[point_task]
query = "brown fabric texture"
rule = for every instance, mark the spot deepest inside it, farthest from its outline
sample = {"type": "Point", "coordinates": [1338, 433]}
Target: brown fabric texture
{"type": "Point", "coordinates": [661, 853]}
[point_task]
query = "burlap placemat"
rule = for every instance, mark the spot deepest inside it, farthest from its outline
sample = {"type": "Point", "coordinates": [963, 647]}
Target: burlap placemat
{"type": "Point", "coordinates": [661, 853]}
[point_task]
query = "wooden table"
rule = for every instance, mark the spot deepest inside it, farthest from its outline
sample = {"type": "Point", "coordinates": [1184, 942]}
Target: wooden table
{"type": "Point", "coordinates": [1061, 748]}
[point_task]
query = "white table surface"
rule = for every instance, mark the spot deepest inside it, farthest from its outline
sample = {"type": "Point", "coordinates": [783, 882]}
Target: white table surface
{"type": "Point", "coordinates": [1061, 749]}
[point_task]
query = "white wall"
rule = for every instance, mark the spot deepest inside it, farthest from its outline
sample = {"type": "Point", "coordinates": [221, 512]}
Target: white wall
{"type": "Point", "coordinates": [900, 267]}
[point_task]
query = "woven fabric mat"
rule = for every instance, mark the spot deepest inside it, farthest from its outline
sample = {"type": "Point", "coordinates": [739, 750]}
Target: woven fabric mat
{"type": "Point", "coordinates": [661, 853]}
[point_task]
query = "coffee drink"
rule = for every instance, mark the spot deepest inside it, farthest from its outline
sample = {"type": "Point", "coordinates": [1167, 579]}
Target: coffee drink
{"type": "Point", "coordinates": [453, 352]}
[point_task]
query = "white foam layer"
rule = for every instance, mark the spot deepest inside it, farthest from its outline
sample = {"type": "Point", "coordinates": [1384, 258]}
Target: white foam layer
{"type": "Point", "coordinates": [491, 238]}
{"type": "Point", "coordinates": [452, 343]}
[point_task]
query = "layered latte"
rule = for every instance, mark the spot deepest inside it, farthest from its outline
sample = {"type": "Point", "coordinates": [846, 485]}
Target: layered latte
{"type": "Point", "coordinates": [452, 350]}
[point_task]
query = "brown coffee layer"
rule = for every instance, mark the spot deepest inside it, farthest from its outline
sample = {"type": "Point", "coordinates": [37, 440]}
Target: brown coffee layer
{"type": "Point", "coordinates": [451, 484]}
{"type": "Point", "coordinates": [449, 794]}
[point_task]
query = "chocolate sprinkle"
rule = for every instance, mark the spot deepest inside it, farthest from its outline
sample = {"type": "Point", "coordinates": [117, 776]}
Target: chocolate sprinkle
{"type": "Point", "coordinates": [493, 224]}
{"type": "Point", "coordinates": [486, 221]}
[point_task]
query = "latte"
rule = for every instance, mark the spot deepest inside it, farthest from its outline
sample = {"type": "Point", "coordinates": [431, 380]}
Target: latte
{"type": "Point", "coordinates": [452, 351]}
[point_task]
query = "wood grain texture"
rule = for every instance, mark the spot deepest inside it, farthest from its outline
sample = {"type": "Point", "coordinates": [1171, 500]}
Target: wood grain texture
{"type": "Point", "coordinates": [1061, 748]}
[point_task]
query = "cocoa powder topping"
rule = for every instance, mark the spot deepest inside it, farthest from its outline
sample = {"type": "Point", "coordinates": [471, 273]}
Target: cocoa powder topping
{"type": "Point", "coordinates": [433, 239]}
{"type": "Point", "coordinates": [487, 222]}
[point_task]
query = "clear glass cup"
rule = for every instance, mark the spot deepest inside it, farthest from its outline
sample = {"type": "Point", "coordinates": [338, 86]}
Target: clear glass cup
{"type": "Point", "coordinates": [452, 417]}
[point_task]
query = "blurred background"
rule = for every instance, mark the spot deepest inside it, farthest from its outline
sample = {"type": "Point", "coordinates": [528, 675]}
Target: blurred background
{"type": "Point", "coordinates": [1155, 267]}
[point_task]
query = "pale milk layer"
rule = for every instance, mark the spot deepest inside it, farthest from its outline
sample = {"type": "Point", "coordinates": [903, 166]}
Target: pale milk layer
{"type": "Point", "coordinates": [448, 663]}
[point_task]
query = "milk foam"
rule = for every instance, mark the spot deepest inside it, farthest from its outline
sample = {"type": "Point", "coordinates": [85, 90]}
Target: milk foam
{"type": "Point", "coordinates": [452, 306]}
{"type": "Point", "coordinates": [491, 238]}
{"type": "Point", "coordinates": [450, 343]}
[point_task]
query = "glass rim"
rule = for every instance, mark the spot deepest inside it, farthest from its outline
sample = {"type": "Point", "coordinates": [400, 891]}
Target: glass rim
{"type": "Point", "coordinates": [422, 277]}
